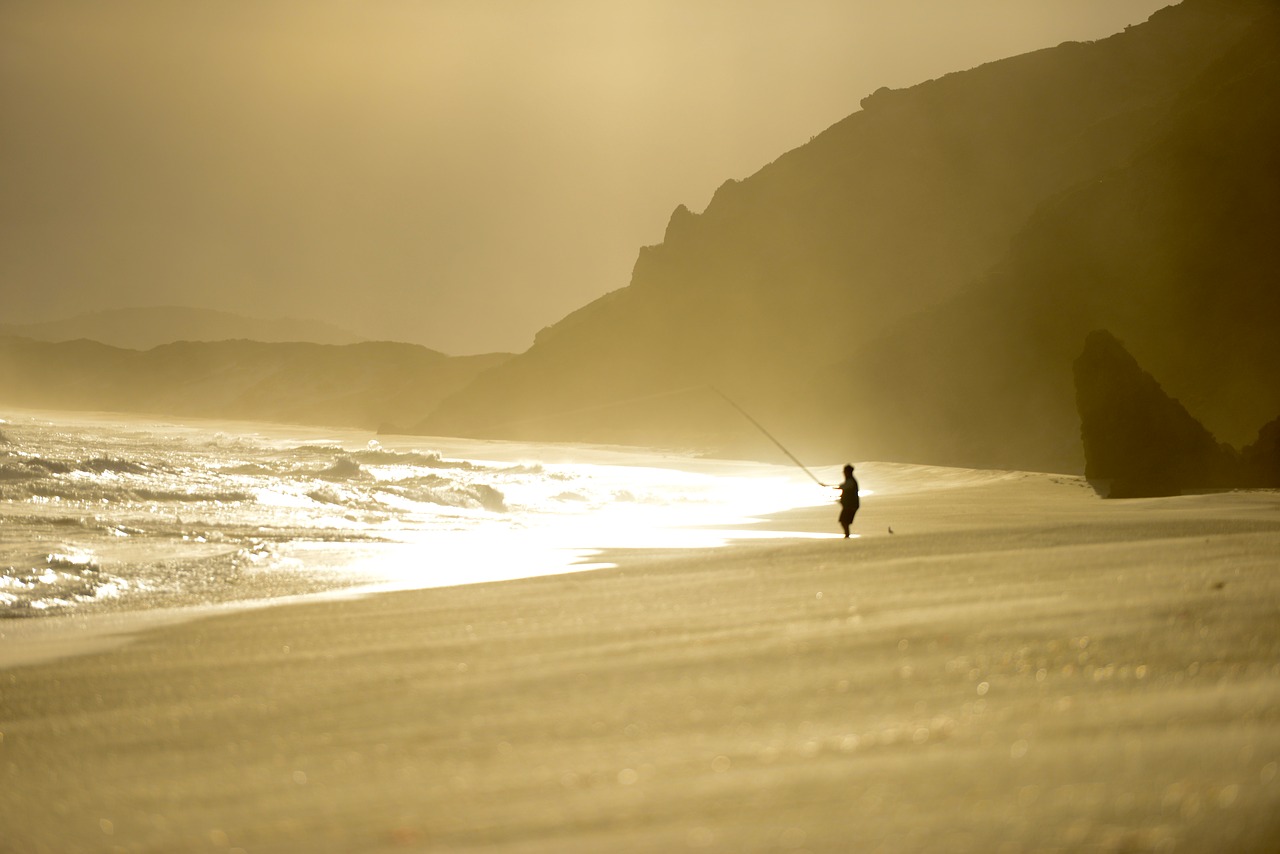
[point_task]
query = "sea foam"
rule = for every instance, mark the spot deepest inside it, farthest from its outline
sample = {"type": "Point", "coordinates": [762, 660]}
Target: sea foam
{"type": "Point", "coordinates": [147, 514]}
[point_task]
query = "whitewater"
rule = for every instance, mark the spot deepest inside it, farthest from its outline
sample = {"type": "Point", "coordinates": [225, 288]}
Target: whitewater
{"type": "Point", "coordinates": [108, 512]}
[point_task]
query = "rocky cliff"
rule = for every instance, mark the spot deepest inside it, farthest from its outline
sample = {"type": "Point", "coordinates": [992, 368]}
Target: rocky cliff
{"type": "Point", "coordinates": [914, 281]}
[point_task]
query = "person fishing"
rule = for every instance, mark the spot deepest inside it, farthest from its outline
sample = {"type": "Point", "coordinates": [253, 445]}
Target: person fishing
{"type": "Point", "coordinates": [849, 501]}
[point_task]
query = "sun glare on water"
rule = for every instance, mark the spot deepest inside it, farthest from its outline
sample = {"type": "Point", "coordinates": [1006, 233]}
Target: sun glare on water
{"type": "Point", "coordinates": [562, 519]}
{"type": "Point", "coordinates": [195, 514]}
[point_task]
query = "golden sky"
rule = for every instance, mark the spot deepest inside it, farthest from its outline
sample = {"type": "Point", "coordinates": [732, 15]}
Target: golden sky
{"type": "Point", "coordinates": [458, 174]}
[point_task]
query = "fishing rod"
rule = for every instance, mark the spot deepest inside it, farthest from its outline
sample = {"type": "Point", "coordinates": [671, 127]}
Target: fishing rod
{"type": "Point", "coordinates": [770, 436]}
{"type": "Point", "coordinates": [596, 407]}
{"type": "Point", "coordinates": [673, 393]}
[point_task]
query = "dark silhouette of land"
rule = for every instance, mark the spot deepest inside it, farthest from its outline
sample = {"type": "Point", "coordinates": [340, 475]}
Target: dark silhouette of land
{"type": "Point", "coordinates": [144, 328]}
{"type": "Point", "coordinates": [375, 385]}
{"type": "Point", "coordinates": [967, 234]}
{"type": "Point", "coordinates": [1139, 441]}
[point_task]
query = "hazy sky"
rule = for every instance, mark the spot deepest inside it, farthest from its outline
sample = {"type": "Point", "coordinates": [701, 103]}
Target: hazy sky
{"type": "Point", "coordinates": [459, 174]}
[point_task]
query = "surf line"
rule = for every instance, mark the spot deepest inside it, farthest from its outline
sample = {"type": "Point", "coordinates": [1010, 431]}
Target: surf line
{"type": "Point", "coordinates": [686, 390]}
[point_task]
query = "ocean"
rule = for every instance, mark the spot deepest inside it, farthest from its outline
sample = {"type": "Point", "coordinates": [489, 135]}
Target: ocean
{"type": "Point", "coordinates": [109, 512]}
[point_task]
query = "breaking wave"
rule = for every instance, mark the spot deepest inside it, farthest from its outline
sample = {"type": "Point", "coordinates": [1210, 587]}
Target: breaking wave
{"type": "Point", "coordinates": [101, 515]}
{"type": "Point", "coordinates": [417, 459]}
{"type": "Point", "coordinates": [62, 578]}
{"type": "Point", "coordinates": [136, 514]}
{"type": "Point", "coordinates": [344, 469]}
{"type": "Point", "coordinates": [447, 493]}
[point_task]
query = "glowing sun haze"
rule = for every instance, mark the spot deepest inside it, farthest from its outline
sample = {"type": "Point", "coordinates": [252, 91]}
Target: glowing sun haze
{"type": "Point", "coordinates": [457, 174]}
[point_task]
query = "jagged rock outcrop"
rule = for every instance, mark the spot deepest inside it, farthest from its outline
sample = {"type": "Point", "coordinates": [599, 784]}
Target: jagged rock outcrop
{"type": "Point", "coordinates": [1261, 460]}
{"type": "Point", "coordinates": [1139, 441]}
{"type": "Point", "coordinates": [1135, 436]}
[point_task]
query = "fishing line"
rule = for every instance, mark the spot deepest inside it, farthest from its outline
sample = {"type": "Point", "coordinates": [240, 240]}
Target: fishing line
{"type": "Point", "coordinates": [770, 436]}
{"type": "Point", "coordinates": [596, 407]}
{"type": "Point", "coordinates": [679, 391]}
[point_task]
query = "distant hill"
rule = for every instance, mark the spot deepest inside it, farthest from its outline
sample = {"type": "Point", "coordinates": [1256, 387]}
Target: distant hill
{"type": "Point", "coordinates": [915, 282]}
{"type": "Point", "coordinates": [373, 385]}
{"type": "Point", "coordinates": [144, 328]}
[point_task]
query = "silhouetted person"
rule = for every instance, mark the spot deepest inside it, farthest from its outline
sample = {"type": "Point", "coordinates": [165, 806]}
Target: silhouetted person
{"type": "Point", "coordinates": [849, 502]}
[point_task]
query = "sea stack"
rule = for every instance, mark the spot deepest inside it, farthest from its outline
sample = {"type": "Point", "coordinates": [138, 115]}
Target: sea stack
{"type": "Point", "coordinates": [1136, 437]}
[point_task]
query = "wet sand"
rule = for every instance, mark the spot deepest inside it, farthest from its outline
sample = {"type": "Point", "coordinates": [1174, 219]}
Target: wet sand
{"type": "Point", "coordinates": [1020, 666]}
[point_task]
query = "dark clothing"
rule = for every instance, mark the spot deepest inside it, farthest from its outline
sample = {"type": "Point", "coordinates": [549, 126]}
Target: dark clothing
{"type": "Point", "coordinates": [849, 502]}
{"type": "Point", "coordinates": [849, 494]}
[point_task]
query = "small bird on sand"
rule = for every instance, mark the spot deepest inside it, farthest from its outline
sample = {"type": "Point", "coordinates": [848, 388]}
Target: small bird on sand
{"type": "Point", "coordinates": [890, 529]}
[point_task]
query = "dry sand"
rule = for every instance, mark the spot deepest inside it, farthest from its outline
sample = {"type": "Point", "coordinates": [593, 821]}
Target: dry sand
{"type": "Point", "coordinates": [1020, 666]}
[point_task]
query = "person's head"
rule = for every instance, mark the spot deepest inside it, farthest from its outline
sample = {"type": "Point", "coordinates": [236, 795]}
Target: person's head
{"type": "Point", "coordinates": [848, 469]}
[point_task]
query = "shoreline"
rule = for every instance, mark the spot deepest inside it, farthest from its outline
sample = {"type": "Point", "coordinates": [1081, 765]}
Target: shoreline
{"type": "Point", "coordinates": [274, 511]}
{"type": "Point", "coordinates": [1020, 664]}
{"type": "Point", "coordinates": [34, 640]}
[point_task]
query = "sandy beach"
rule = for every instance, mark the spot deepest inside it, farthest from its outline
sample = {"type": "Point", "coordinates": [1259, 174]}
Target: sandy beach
{"type": "Point", "coordinates": [423, 427]}
{"type": "Point", "coordinates": [1018, 666]}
